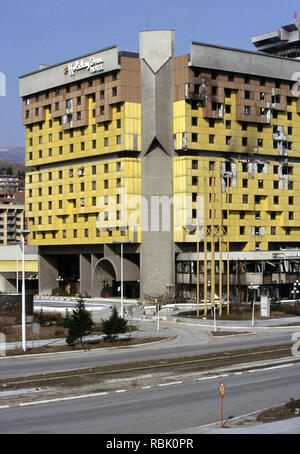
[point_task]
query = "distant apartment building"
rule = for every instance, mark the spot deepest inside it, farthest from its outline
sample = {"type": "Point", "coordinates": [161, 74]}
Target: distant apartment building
{"type": "Point", "coordinates": [209, 139]}
{"type": "Point", "coordinates": [12, 217]}
{"type": "Point", "coordinates": [283, 43]}
{"type": "Point", "coordinates": [9, 183]}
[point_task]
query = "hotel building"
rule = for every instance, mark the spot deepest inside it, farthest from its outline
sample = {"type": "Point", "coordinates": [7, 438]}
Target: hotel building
{"type": "Point", "coordinates": [156, 154]}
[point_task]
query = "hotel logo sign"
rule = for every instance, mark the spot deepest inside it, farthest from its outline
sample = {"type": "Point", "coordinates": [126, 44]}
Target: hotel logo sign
{"type": "Point", "coordinates": [92, 65]}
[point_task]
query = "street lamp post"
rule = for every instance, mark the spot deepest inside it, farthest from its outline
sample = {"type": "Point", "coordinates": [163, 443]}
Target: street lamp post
{"type": "Point", "coordinates": [24, 233]}
{"type": "Point", "coordinates": [254, 288]}
{"type": "Point", "coordinates": [122, 274]}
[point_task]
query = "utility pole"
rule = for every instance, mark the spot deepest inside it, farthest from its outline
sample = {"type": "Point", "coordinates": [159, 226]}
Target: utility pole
{"type": "Point", "coordinates": [228, 274]}
{"type": "Point", "coordinates": [198, 278]}
{"type": "Point", "coordinates": [220, 251]}
{"type": "Point", "coordinates": [212, 233]}
{"type": "Point", "coordinates": [205, 247]}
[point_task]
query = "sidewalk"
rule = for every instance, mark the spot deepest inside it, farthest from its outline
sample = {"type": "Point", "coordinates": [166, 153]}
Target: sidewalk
{"type": "Point", "coordinates": [287, 426]}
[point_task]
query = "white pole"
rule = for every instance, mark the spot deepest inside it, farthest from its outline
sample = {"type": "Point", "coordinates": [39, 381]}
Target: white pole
{"type": "Point", "coordinates": [122, 277]}
{"type": "Point", "coordinates": [253, 308]}
{"type": "Point", "coordinates": [158, 317]}
{"type": "Point", "coordinates": [23, 297]}
{"type": "Point", "coordinates": [215, 321]}
{"type": "Point", "coordinates": [17, 276]}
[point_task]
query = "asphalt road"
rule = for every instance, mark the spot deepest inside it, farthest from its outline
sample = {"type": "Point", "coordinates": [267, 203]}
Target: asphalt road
{"type": "Point", "coordinates": [190, 340]}
{"type": "Point", "coordinates": [157, 410]}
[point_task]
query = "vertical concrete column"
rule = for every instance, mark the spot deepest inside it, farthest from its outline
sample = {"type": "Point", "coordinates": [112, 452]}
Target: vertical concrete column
{"type": "Point", "coordinates": [48, 273]}
{"type": "Point", "coordinates": [85, 274]}
{"type": "Point", "coordinates": [157, 249]}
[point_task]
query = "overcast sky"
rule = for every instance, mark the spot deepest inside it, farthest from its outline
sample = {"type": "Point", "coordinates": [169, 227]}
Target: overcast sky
{"type": "Point", "coordinates": [34, 32]}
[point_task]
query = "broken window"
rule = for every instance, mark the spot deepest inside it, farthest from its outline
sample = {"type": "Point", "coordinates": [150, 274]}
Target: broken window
{"type": "Point", "coordinates": [260, 168]}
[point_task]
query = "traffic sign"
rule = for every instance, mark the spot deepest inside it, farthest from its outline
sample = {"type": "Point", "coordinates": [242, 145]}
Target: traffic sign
{"type": "Point", "coordinates": [222, 390]}
{"type": "Point", "coordinates": [222, 394]}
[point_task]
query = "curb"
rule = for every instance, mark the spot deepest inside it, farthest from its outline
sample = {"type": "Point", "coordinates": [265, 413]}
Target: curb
{"type": "Point", "coordinates": [179, 322]}
{"type": "Point", "coordinates": [230, 335]}
{"type": "Point", "coordinates": [94, 349]}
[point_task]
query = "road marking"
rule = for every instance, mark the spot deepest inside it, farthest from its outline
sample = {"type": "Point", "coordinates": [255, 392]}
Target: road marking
{"type": "Point", "coordinates": [121, 391]}
{"type": "Point", "coordinates": [171, 383]}
{"type": "Point", "coordinates": [210, 378]}
{"type": "Point", "coordinates": [238, 373]}
{"type": "Point", "coordinates": [146, 387]}
{"type": "Point", "coordinates": [60, 399]}
{"type": "Point", "coordinates": [272, 367]}
{"type": "Point", "coordinates": [278, 367]}
{"type": "Point", "coordinates": [4, 406]}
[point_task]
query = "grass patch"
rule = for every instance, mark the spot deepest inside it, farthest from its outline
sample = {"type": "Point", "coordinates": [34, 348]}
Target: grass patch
{"type": "Point", "coordinates": [52, 330]}
{"type": "Point", "coordinates": [242, 315]}
{"type": "Point", "coordinates": [285, 411]}
{"type": "Point", "coordinates": [227, 333]}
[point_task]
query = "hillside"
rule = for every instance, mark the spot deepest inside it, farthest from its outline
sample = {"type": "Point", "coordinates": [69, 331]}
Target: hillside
{"type": "Point", "coordinates": [13, 154]}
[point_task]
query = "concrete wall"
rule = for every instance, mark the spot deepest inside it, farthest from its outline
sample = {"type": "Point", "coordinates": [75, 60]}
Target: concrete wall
{"type": "Point", "coordinates": [245, 62]}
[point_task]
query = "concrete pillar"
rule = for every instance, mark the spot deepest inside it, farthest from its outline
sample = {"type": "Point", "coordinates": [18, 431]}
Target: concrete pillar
{"type": "Point", "coordinates": [48, 273]}
{"type": "Point", "coordinates": [85, 275]}
{"type": "Point", "coordinates": [157, 249]}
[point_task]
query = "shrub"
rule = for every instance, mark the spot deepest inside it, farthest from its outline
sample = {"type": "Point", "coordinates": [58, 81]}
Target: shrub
{"type": "Point", "coordinates": [79, 323]}
{"type": "Point", "coordinates": [114, 325]}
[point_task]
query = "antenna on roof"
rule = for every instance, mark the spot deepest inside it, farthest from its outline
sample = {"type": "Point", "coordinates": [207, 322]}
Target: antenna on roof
{"type": "Point", "coordinates": [295, 18]}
